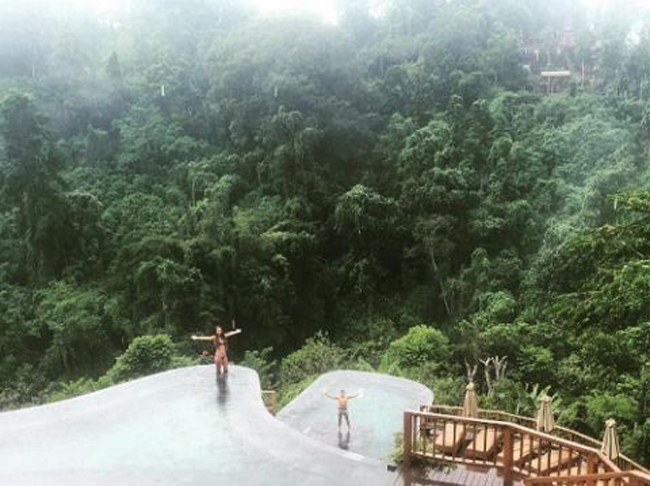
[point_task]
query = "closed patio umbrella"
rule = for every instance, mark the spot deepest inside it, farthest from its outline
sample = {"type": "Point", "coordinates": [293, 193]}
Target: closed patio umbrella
{"type": "Point", "coordinates": [611, 448]}
{"type": "Point", "coordinates": [470, 404]}
{"type": "Point", "coordinates": [545, 419]}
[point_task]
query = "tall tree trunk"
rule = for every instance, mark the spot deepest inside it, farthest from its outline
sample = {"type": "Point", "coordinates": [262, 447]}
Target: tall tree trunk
{"type": "Point", "coordinates": [443, 291]}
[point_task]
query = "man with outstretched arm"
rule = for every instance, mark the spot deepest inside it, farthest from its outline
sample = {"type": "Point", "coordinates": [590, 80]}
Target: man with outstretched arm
{"type": "Point", "coordinates": [342, 400]}
{"type": "Point", "coordinates": [220, 340]}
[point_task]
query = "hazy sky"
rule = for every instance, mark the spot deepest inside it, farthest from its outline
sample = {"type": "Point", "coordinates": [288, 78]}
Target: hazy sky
{"type": "Point", "coordinates": [324, 8]}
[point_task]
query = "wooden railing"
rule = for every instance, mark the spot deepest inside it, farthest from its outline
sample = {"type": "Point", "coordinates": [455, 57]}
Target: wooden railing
{"type": "Point", "coordinates": [516, 450]}
{"type": "Point", "coordinates": [623, 462]}
{"type": "Point", "coordinates": [621, 478]}
{"type": "Point", "coordinates": [482, 414]}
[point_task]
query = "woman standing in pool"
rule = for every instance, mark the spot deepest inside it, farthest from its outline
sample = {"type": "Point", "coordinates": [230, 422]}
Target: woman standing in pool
{"type": "Point", "coordinates": [220, 340]}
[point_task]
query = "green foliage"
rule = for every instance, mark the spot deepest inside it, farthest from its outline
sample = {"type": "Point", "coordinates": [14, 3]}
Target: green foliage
{"type": "Point", "coordinates": [368, 339]}
{"type": "Point", "coordinates": [501, 340]}
{"type": "Point", "coordinates": [265, 366]}
{"type": "Point", "coordinates": [537, 364]}
{"type": "Point", "coordinates": [318, 355]}
{"type": "Point", "coordinates": [419, 468]}
{"type": "Point", "coordinates": [26, 388]}
{"type": "Point", "coordinates": [78, 387]}
{"type": "Point", "coordinates": [520, 399]}
{"type": "Point", "coordinates": [365, 215]}
{"type": "Point", "coordinates": [448, 390]}
{"type": "Point", "coordinates": [603, 406]}
{"type": "Point", "coordinates": [638, 444]}
{"type": "Point", "coordinates": [358, 179]}
{"type": "Point", "coordinates": [421, 346]}
{"type": "Point", "coordinates": [145, 355]}
{"type": "Point", "coordinates": [291, 391]}
{"type": "Point", "coordinates": [31, 184]}
{"type": "Point", "coordinates": [80, 326]}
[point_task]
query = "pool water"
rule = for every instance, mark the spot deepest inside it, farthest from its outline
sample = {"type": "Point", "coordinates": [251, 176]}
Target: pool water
{"type": "Point", "coordinates": [375, 416]}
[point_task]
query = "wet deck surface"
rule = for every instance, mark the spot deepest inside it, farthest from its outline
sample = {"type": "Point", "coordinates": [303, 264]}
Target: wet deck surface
{"type": "Point", "coordinates": [174, 428]}
{"type": "Point", "coordinates": [375, 416]}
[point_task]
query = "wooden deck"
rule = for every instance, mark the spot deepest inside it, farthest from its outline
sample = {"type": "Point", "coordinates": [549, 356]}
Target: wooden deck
{"type": "Point", "coordinates": [457, 475]}
{"type": "Point", "coordinates": [487, 452]}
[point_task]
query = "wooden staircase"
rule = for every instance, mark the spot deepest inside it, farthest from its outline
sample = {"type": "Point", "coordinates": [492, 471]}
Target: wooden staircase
{"type": "Point", "coordinates": [511, 445]}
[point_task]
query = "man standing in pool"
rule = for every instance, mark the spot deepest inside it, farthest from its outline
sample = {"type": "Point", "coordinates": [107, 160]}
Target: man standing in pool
{"type": "Point", "coordinates": [342, 400]}
{"type": "Point", "coordinates": [220, 340]}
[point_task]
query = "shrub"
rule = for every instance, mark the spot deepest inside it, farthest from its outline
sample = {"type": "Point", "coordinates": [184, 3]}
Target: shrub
{"type": "Point", "coordinates": [261, 362]}
{"type": "Point", "coordinates": [78, 387]}
{"type": "Point", "coordinates": [448, 390]}
{"type": "Point", "coordinates": [185, 361]}
{"type": "Point", "coordinates": [290, 392]}
{"type": "Point", "coordinates": [419, 468]}
{"type": "Point", "coordinates": [317, 356]}
{"type": "Point", "coordinates": [362, 365]}
{"type": "Point", "coordinates": [604, 405]}
{"type": "Point", "coordinates": [145, 355]}
{"type": "Point", "coordinates": [421, 346]}
{"type": "Point", "coordinates": [26, 388]}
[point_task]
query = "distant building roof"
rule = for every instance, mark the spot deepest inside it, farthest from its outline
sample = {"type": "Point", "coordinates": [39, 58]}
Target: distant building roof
{"type": "Point", "coordinates": [556, 74]}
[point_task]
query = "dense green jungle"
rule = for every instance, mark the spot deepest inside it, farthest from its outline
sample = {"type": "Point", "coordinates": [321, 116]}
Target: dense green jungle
{"type": "Point", "coordinates": [407, 190]}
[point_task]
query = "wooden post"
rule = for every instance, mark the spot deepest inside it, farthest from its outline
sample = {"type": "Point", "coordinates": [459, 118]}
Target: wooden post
{"type": "Point", "coordinates": [507, 456]}
{"type": "Point", "coordinates": [274, 402]}
{"type": "Point", "coordinates": [592, 468]}
{"type": "Point", "coordinates": [270, 399]}
{"type": "Point", "coordinates": [408, 435]}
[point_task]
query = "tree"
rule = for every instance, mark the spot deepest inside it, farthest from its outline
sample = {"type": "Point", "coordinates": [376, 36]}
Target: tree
{"type": "Point", "coordinates": [31, 183]}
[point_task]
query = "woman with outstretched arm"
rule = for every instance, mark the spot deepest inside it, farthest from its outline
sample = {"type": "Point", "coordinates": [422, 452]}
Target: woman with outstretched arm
{"type": "Point", "coordinates": [220, 340]}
